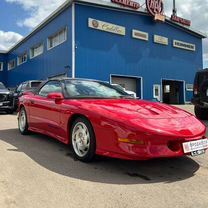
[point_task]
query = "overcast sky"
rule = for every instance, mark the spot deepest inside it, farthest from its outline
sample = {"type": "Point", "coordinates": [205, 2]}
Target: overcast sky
{"type": "Point", "coordinates": [19, 17]}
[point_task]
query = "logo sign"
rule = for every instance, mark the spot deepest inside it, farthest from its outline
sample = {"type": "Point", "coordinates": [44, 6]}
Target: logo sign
{"type": "Point", "coordinates": [184, 45]}
{"type": "Point", "coordinates": [127, 3]}
{"type": "Point", "coordinates": [156, 9]}
{"type": "Point", "coordinates": [181, 20]}
{"type": "Point", "coordinates": [107, 27]}
{"type": "Point", "coordinates": [140, 35]}
{"type": "Point", "coordinates": [160, 40]}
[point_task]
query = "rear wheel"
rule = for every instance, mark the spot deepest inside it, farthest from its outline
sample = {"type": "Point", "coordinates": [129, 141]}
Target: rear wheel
{"type": "Point", "coordinates": [22, 122]}
{"type": "Point", "coordinates": [83, 140]}
{"type": "Point", "coordinates": [201, 113]}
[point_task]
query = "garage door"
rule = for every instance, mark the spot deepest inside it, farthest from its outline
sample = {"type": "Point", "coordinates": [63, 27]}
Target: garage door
{"type": "Point", "coordinates": [126, 82]}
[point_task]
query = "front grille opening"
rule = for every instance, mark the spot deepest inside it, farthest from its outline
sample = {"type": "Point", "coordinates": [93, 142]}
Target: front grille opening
{"type": "Point", "coordinates": [3, 98]}
{"type": "Point", "coordinates": [174, 146]}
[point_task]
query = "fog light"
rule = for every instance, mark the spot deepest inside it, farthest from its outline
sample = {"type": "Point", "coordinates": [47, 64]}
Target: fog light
{"type": "Point", "coordinates": [131, 141]}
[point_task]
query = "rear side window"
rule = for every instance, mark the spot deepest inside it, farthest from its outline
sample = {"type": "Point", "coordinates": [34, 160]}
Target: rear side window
{"type": "Point", "coordinates": [50, 87]}
{"type": "Point", "coordinates": [35, 84]}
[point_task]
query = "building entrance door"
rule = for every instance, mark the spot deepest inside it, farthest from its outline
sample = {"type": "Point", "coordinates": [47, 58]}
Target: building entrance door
{"type": "Point", "coordinates": [173, 92]}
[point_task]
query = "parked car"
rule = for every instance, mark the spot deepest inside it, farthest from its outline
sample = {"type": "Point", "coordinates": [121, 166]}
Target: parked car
{"type": "Point", "coordinates": [131, 93]}
{"type": "Point", "coordinates": [6, 102]}
{"type": "Point", "coordinates": [200, 94]}
{"type": "Point", "coordinates": [96, 118]}
{"type": "Point", "coordinates": [23, 87]}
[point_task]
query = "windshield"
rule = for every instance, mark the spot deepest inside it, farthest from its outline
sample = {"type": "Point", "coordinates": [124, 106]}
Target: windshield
{"type": "Point", "coordinates": [2, 87]}
{"type": "Point", "coordinates": [92, 89]}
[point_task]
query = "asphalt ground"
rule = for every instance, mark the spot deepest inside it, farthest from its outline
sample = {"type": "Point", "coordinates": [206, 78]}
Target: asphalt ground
{"type": "Point", "coordinates": [37, 171]}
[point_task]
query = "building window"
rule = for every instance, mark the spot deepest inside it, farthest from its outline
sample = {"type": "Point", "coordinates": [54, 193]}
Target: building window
{"type": "Point", "coordinates": [1, 66]}
{"type": "Point", "coordinates": [22, 59]}
{"type": "Point", "coordinates": [36, 51]}
{"type": "Point", "coordinates": [57, 38]}
{"type": "Point", "coordinates": [11, 64]}
{"type": "Point", "coordinates": [189, 87]}
{"type": "Point", "coordinates": [167, 89]}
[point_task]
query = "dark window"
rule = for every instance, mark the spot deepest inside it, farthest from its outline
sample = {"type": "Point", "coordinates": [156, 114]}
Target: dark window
{"type": "Point", "coordinates": [50, 87]}
{"type": "Point", "coordinates": [35, 84]}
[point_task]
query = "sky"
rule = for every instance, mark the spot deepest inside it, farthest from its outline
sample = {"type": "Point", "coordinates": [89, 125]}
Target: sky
{"type": "Point", "coordinates": [19, 17]}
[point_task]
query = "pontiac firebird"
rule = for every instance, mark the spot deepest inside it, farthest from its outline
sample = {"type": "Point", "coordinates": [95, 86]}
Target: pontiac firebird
{"type": "Point", "coordinates": [95, 117]}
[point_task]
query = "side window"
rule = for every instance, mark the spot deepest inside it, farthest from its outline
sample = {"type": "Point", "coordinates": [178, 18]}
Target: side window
{"type": "Point", "coordinates": [50, 87]}
{"type": "Point", "coordinates": [23, 87]}
{"type": "Point", "coordinates": [19, 88]}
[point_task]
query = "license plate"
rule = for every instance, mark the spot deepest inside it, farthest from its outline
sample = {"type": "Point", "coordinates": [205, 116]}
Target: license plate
{"type": "Point", "coordinates": [195, 145]}
{"type": "Point", "coordinates": [198, 152]}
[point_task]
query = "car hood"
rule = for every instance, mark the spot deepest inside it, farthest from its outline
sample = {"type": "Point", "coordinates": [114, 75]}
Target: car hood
{"type": "Point", "coordinates": [4, 91]}
{"type": "Point", "coordinates": [133, 109]}
{"type": "Point", "coordinates": [147, 116]}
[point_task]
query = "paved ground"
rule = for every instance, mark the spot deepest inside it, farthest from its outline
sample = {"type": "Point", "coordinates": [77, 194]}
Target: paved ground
{"type": "Point", "coordinates": [39, 172]}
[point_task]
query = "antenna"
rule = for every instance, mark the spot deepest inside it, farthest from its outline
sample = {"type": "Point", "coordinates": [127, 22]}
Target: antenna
{"type": "Point", "coordinates": [174, 8]}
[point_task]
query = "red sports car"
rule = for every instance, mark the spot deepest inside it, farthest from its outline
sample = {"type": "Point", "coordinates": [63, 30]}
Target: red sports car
{"type": "Point", "coordinates": [97, 118]}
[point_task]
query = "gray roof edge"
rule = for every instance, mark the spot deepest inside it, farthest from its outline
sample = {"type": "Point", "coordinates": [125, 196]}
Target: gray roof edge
{"type": "Point", "coordinates": [67, 3]}
{"type": "Point", "coordinates": [3, 52]}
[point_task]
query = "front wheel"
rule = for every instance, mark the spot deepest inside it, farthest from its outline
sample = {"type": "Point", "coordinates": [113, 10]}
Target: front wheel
{"type": "Point", "coordinates": [83, 140]}
{"type": "Point", "coordinates": [22, 122]}
{"type": "Point", "coordinates": [201, 113]}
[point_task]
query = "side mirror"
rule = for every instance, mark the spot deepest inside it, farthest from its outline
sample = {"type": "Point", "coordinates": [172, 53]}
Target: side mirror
{"type": "Point", "coordinates": [58, 97]}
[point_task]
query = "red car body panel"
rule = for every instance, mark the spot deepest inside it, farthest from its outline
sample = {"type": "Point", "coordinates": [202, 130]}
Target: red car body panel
{"type": "Point", "coordinates": [161, 128]}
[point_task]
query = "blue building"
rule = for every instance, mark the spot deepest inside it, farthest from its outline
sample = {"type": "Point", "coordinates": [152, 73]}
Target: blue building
{"type": "Point", "coordinates": [110, 41]}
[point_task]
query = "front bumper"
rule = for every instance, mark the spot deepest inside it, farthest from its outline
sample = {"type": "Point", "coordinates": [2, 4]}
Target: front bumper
{"type": "Point", "coordinates": [201, 102]}
{"type": "Point", "coordinates": [156, 146]}
{"type": "Point", "coordinates": [170, 148]}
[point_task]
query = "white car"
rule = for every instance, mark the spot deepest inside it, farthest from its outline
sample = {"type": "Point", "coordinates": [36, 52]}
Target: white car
{"type": "Point", "coordinates": [131, 93]}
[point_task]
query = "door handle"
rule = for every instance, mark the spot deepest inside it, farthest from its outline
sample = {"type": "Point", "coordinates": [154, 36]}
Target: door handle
{"type": "Point", "coordinates": [32, 102]}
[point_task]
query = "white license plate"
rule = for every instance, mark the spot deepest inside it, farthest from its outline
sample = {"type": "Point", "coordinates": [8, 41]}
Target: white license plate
{"type": "Point", "coordinates": [195, 145]}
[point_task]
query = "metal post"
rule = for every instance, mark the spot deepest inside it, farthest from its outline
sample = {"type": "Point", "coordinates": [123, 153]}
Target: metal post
{"type": "Point", "coordinates": [174, 8]}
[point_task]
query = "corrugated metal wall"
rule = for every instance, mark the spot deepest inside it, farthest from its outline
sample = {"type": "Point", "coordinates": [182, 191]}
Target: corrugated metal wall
{"type": "Point", "coordinates": [3, 77]}
{"type": "Point", "coordinates": [52, 62]}
{"type": "Point", "coordinates": [99, 54]}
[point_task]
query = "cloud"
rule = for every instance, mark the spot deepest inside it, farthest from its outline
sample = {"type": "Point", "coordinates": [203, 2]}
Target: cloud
{"type": "Point", "coordinates": [8, 39]}
{"type": "Point", "coordinates": [38, 10]}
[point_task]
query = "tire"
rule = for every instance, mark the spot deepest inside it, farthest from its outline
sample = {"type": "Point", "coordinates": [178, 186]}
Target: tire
{"type": "Point", "coordinates": [201, 113]}
{"type": "Point", "coordinates": [22, 122]}
{"type": "Point", "coordinates": [82, 139]}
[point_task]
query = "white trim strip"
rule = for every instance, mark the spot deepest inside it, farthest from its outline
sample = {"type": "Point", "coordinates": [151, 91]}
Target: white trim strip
{"type": "Point", "coordinates": [73, 41]}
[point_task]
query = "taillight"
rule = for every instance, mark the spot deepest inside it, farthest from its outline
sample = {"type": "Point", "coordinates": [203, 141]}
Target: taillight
{"type": "Point", "coordinates": [196, 90]}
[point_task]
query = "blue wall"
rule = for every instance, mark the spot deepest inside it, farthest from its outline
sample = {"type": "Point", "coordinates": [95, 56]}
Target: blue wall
{"type": "Point", "coordinates": [52, 62]}
{"type": "Point", "coordinates": [3, 74]}
{"type": "Point", "coordinates": [99, 54]}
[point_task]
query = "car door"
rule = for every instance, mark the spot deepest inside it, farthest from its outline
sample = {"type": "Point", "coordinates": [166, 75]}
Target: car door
{"type": "Point", "coordinates": [44, 112]}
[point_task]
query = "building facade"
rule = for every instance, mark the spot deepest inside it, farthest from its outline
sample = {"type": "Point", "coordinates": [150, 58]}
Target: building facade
{"type": "Point", "coordinates": [113, 42]}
